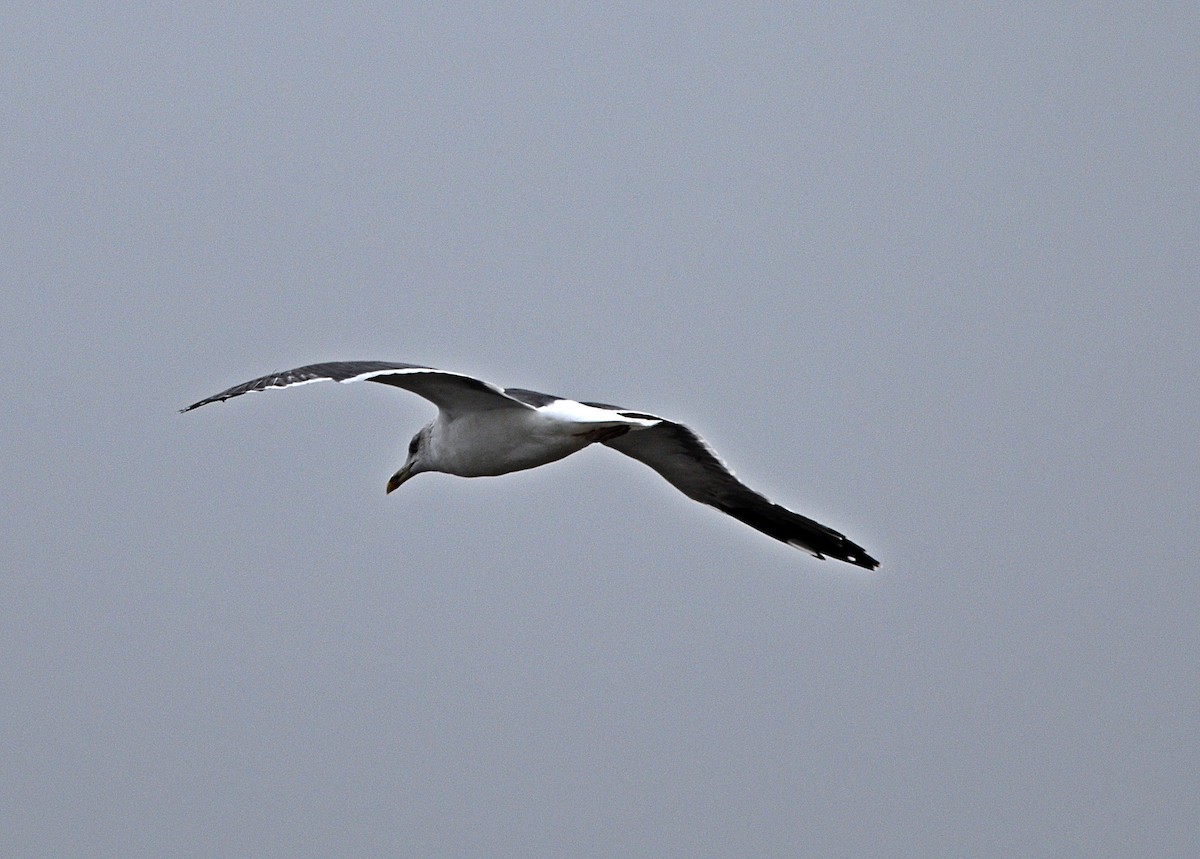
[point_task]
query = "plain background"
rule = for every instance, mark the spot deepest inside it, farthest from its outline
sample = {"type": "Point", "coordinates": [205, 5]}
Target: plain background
{"type": "Point", "coordinates": [927, 275]}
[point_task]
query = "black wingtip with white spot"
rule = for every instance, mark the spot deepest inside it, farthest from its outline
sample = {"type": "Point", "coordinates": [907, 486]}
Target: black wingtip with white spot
{"type": "Point", "coordinates": [800, 531]}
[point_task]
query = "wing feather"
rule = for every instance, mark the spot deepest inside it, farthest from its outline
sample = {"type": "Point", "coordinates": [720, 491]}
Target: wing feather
{"type": "Point", "coordinates": [450, 392]}
{"type": "Point", "coordinates": [690, 464]}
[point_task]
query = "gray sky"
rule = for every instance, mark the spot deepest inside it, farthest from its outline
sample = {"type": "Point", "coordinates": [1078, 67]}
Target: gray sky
{"type": "Point", "coordinates": [928, 276]}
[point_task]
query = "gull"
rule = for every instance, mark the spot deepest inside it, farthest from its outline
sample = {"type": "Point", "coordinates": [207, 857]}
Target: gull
{"type": "Point", "coordinates": [482, 430]}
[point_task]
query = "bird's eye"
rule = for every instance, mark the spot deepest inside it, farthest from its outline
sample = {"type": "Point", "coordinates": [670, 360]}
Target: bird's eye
{"type": "Point", "coordinates": [413, 445]}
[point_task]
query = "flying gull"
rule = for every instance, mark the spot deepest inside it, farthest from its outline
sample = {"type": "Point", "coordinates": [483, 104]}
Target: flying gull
{"type": "Point", "coordinates": [482, 430]}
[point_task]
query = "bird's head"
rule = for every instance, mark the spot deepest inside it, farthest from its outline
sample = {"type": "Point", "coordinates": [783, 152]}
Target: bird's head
{"type": "Point", "coordinates": [418, 451]}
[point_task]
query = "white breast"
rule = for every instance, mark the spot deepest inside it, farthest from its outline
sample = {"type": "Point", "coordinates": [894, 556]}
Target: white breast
{"type": "Point", "coordinates": [488, 443]}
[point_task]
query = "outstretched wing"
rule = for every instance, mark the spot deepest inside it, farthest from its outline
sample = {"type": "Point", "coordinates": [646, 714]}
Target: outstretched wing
{"type": "Point", "coordinates": [692, 467]}
{"type": "Point", "coordinates": [450, 392]}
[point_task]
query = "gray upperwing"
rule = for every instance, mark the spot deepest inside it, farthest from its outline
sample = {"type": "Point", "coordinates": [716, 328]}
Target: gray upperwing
{"type": "Point", "coordinates": [450, 392]}
{"type": "Point", "coordinates": [691, 466]}
{"type": "Point", "coordinates": [685, 460]}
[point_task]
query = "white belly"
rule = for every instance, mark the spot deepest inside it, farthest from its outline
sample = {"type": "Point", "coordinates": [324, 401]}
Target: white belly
{"type": "Point", "coordinates": [480, 444]}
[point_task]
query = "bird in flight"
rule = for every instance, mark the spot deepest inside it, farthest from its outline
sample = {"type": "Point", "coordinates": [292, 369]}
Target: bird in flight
{"type": "Point", "coordinates": [482, 430]}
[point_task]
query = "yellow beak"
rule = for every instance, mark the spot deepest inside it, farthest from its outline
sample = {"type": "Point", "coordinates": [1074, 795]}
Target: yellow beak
{"type": "Point", "coordinates": [399, 477]}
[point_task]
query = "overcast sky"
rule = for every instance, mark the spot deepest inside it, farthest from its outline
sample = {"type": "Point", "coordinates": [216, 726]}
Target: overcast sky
{"type": "Point", "coordinates": [928, 276]}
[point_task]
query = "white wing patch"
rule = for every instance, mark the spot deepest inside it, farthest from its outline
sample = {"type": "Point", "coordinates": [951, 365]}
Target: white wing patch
{"type": "Point", "coordinates": [362, 377]}
{"type": "Point", "coordinates": [569, 410]}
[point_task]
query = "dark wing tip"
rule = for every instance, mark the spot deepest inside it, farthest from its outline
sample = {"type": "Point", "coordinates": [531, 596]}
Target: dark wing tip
{"type": "Point", "coordinates": [799, 531]}
{"type": "Point", "coordinates": [201, 403]}
{"type": "Point", "coordinates": [838, 548]}
{"type": "Point", "coordinates": [222, 397]}
{"type": "Point", "coordinates": [862, 560]}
